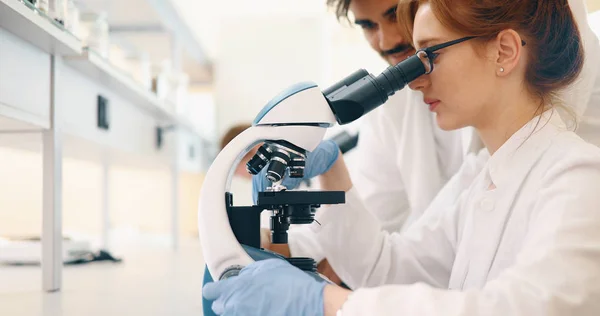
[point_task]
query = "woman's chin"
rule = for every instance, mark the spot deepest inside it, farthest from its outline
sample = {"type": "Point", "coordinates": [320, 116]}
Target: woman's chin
{"type": "Point", "coordinates": [446, 123]}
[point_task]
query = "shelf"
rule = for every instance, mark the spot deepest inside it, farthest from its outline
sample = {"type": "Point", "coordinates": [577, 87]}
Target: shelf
{"type": "Point", "coordinates": [14, 119]}
{"type": "Point", "coordinates": [157, 28]}
{"type": "Point", "coordinates": [149, 16]}
{"type": "Point", "coordinates": [99, 69]}
{"type": "Point", "coordinates": [33, 26]}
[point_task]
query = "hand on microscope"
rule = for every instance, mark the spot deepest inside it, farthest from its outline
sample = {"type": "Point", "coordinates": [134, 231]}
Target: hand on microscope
{"type": "Point", "coordinates": [263, 288]}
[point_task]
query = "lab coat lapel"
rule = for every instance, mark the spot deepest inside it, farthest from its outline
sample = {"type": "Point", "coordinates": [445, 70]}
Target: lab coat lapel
{"type": "Point", "coordinates": [515, 169]}
{"type": "Point", "coordinates": [492, 226]}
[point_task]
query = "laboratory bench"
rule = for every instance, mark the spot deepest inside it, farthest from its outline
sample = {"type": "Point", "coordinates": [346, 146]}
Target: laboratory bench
{"type": "Point", "coordinates": [63, 100]}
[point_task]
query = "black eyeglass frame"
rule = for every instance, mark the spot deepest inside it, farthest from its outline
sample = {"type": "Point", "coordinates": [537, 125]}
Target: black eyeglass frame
{"type": "Point", "coordinates": [430, 51]}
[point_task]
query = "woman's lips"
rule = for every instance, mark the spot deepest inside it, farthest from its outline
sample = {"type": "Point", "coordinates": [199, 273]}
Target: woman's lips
{"type": "Point", "coordinates": [433, 103]}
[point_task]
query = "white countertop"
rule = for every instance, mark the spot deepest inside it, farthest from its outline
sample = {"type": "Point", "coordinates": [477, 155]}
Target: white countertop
{"type": "Point", "coordinates": [151, 280]}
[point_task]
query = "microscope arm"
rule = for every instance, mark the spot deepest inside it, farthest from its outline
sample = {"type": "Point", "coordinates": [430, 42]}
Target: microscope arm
{"type": "Point", "coordinates": [225, 253]}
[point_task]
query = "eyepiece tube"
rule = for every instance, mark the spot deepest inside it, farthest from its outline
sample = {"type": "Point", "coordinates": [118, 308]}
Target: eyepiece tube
{"type": "Point", "coordinates": [395, 78]}
{"type": "Point", "coordinates": [361, 92]}
{"type": "Point", "coordinates": [355, 76]}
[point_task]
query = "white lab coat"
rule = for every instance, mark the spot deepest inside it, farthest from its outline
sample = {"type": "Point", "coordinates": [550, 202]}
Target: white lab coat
{"type": "Point", "coordinates": [529, 246]}
{"type": "Point", "coordinates": [404, 158]}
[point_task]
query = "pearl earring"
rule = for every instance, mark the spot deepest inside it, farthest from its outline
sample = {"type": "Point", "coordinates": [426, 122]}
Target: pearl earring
{"type": "Point", "coordinates": [501, 69]}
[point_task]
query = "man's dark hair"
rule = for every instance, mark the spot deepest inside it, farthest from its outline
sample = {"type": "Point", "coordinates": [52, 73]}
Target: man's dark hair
{"type": "Point", "coordinates": [341, 8]}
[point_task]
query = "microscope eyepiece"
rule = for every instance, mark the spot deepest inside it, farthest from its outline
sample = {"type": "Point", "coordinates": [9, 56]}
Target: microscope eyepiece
{"type": "Point", "coordinates": [361, 92]}
{"type": "Point", "coordinates": [260, 160]}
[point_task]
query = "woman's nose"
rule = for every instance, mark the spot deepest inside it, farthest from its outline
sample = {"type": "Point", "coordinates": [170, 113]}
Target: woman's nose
{"type": "Point", "coordinates": [420, 83]}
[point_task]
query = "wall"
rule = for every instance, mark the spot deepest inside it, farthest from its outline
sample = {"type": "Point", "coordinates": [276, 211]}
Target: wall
{"type": "Point", "coordinates": [261, 56]}
{"type": "Point", "coordinates": [205, 16]}
{"type": "Point", "coordinates": [593, 5]}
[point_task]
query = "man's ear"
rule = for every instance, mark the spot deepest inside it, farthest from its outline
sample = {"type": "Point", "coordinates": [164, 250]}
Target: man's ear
{"type": "Point", "coordinates": [508, 46]}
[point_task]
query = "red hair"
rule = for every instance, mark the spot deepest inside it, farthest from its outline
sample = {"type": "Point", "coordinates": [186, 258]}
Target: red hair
{"type": "Point", "coordinates": [548, 26]}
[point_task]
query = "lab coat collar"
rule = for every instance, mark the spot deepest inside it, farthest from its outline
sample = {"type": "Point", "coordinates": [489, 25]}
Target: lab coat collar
{"type": "Point", "coordinates": [524, 145]}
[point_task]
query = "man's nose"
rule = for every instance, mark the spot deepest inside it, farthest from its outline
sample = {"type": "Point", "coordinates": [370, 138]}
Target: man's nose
{"type": "Point", "coordinates": [389, 36]}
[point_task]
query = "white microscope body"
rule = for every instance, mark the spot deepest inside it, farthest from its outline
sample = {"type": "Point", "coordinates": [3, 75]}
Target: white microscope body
{"type": "Point", "coordinates": [299, 116]}
{"type": "Point", "coordinates": [295, 120]}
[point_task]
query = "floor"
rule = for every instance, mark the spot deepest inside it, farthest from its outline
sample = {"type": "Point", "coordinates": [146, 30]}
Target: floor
{"type": "Point", "coordinates": [151, 280]}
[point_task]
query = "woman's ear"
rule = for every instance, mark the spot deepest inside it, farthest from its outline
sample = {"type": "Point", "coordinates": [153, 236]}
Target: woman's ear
{"type": "Point", "coordinates": [508, 51]}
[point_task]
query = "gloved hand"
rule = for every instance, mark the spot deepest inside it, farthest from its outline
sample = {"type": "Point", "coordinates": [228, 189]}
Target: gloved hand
{"type": "Point", "coordinates": [318, 162]}
{"type": "Point", "coordinates": [267, 287]}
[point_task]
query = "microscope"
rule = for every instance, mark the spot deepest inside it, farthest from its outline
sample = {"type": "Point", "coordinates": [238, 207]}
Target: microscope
{"type": "Point", "coordinates": [288, 127]}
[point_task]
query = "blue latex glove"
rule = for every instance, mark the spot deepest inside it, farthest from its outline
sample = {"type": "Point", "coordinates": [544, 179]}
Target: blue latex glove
{"type": "Point", "coordinates": [267, 287]}
{"type": "Point", "coordinates": [318, 162]}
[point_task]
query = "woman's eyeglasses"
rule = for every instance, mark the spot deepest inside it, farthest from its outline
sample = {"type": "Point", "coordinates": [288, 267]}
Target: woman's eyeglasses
{"type": "Point", "coordinates": [428, 55]}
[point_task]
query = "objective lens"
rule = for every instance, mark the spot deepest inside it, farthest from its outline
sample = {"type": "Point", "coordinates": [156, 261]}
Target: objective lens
{"type": "Point", "coordinates": [278, 165]}
{"type": "Point", "coordinates": [297, 167]}
{"type": "Point", "coordinates": [260, 160]}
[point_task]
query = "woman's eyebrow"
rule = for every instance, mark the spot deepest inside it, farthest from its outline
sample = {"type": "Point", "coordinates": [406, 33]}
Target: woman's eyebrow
{"type": "Point", "coordinates": [428, 42]}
